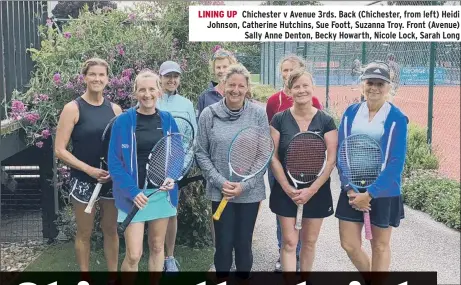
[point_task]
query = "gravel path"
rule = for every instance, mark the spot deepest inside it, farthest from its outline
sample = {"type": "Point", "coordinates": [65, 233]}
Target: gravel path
{"type": "Point", "coordinates": [419, 244]}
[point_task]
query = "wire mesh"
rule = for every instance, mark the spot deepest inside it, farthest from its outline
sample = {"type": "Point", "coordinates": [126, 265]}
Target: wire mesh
{"type": "Point", "coordinates": [410, 90]}
{"type": "Point", "coordinates": [21, 209]}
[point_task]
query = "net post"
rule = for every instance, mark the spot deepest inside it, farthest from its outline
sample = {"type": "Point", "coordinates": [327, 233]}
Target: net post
{"type": "Point", "coordinates": [431, 93]}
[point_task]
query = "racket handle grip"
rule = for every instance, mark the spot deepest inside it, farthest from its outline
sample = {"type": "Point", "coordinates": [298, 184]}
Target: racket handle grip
{"type": "Point", "coordinates": [122, 227]}
{"type": "Point", "coordinates": [366, 220]}
{"type": "Point", "coordinates": [95, 194]}
{"type": "Point", "coordinates": [299, 217]}
{"type": "Point", "coordinates": [221, 207]}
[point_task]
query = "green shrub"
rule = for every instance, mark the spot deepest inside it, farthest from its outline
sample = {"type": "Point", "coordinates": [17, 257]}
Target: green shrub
{"type": "Point", "coordinates": [262, 92]}
{"type": "Point", "coordinates": [419, 155]}
{"type": "Point", "coordinates": [437, 196]}
{"type": "Point", "coordinates": [129, 41]}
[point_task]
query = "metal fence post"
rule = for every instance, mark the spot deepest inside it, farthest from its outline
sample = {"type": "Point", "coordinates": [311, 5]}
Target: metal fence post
{"type": "Point", "coordinates": [364, 62]}
{"type": "Point", "coordinates": [327, 95]}
{"type": "Point", "coordinates": [431, 93]}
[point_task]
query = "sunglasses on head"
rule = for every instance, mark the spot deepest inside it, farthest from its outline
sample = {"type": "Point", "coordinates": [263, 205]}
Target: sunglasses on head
{"type": "Point", "coordinates": [379, 64]}
{"type": "Point", "coordinates": [221, 53]}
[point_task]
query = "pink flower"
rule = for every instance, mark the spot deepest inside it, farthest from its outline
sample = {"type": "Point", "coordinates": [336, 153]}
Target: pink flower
{"type": "Point", "coordinates": [39, 144]}
{"type": "Point", "coordinates": [32, 117]}
{"type": "Point", "coordinates": [67, 35]}
{"type": "Point", "coordinates": [44, 97]}
{"type": "Point", "coordinates": [46, 133]}
{"type": "Point", "coordinates": [216, 47]}
{"type": "Point", "coordinates": [57, 78]}
{"type": "Point", "coordinates": [69, 85]}
{"type": "Point", "coordinates": [127, 72]}
{"type": "Point", "coordinates": [132, 17]}
{"type": "Point", "coordinates": [18, 106]}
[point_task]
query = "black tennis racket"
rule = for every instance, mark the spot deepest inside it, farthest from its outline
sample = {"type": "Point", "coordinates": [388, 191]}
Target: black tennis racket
{"type": "Point", "coordinates": [305, 160]}
{"type": "Point", "coordinates": [360, 159]}
{"type": "Point", "coordinates": [171, 157]}
{"type": "Point", "coordinates": [105, 139]}
{"type": "Point", "coordinates": [250, 153]}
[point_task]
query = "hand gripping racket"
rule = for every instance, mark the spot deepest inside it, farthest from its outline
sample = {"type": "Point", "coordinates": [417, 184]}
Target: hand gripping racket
{"type": "Point", "coordinates": [171, 157]}
{"type": "Point", "coordinates": [105, 139]}
{"type": "Point", "coordinates": [360, 161]}
{"type": "Point", "coordinates": [250, 152]}
{"type": "Point", "coordinates": [305, 160]}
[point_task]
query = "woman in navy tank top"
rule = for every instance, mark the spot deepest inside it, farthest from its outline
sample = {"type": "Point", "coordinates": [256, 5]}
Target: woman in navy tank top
{"type": "Point", "coordinates": [83, 121]}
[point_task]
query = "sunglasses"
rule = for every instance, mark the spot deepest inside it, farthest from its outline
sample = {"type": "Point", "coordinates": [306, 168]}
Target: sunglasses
{"type": "Point", "coordinates": [379, 64]}
{"type": "Point", "coordinates": [221, 53]}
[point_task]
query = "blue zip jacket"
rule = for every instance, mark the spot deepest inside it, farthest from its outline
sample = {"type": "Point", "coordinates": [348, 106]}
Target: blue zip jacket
{"type": "Point", "coordinates": [394, 145]}
{"type": "Point", "coordinates": [122, 158]}
{"type": "Point", "coordinates": [207, 98]}
{"type": "Point", "coordinates": [178, 105]}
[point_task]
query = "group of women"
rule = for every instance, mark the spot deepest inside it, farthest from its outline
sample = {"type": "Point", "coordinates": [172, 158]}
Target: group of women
{"type": "Point", "coordinates": [224, 108]}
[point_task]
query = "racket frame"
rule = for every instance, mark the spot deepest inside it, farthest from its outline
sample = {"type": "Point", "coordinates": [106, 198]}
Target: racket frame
{"type": "Point", "coordinates": [300, 207]}
{"type": "Point", "coordinates": [353, 186]}
{"type": "Point", "coordinates": [134, 210]}
{"type": "Point", "coordinates": [224, 201]}
{"type": "Point", "coordinates": [98, 187]}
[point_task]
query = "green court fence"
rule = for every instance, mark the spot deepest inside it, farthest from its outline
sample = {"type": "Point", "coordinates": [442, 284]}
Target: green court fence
{"type": "Point", "coordinates": [427, 85]}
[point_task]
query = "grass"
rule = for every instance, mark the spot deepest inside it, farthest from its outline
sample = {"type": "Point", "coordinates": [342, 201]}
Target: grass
{"type": "Point", "coordinates": [61, 257]}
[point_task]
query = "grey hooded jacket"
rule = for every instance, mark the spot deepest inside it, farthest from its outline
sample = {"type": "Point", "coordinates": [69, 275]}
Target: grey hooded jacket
{"type": "Point", "coordinates": [215, 134]}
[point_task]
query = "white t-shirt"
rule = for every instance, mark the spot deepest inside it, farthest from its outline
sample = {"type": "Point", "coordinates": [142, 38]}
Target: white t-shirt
{"type": "Point", "coordinates": [375, 128]}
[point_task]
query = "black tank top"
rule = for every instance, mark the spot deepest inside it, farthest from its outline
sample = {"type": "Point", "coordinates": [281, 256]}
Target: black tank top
{"type": "Point", "coordinates": [86, 136]}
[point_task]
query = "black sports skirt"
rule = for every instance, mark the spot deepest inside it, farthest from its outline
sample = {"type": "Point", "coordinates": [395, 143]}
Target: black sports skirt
{"type": "Point", "coordinates": [384, 212]}
{"type": "Point", "coordinates": [319, 206]}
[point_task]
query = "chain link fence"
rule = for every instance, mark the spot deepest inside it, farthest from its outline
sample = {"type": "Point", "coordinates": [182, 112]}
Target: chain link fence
{"type": "Point", "coordinates": [426, 86]}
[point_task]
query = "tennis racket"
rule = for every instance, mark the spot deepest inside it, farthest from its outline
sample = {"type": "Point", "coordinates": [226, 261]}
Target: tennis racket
{"type": "Point", "coordinates": [105, 139]}
{"type": "Point", "coordinates": [171, 157]}
{"type": "Point", "coordinates": [185, 127]}
{"type": "Point", "coordinates": [305, 160]}
{"type": "Point", "coordinates": [250, 152]}
{"type": "Point", "coordinates": [360, 161]}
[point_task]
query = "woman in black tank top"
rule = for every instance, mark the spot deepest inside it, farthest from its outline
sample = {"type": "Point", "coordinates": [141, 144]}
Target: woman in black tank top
{"type": "Point", "coordinates": [83, 121]}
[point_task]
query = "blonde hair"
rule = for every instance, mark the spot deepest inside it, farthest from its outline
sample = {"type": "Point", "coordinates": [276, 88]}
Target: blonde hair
{"type": "Point", "coordinates": [94, 62]}
{"type": "Point", "coordinates": [296, 74]}
{"type": "Point", "coordinates": [146, 73]}
{"type": "Point", "coordinates": [294, 59]}
{"type": "Point", "coordinates": [238, 68]}
{"type": "Point", "coordinates": [222, 54]}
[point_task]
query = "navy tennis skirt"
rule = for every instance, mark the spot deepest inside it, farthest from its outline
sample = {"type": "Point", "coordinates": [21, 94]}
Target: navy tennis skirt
{"type": "Point", "coordinates": [384, 212]}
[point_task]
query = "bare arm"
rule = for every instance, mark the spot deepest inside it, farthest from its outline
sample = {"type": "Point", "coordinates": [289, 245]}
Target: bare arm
{"type": "Point", "coordinates": [277, 168]}
{"type": "Point", "coordinates": [117, 109]}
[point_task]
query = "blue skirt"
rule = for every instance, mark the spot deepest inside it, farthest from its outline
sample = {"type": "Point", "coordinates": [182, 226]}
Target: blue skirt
{"type": "Point", "coordinates": [158, 207]}
{"type": "Point", "coordinates": [384, 212]}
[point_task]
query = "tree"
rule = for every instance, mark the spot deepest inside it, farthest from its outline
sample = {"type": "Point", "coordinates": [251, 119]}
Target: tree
{"type": "Point", "coordinates": [71, 9]}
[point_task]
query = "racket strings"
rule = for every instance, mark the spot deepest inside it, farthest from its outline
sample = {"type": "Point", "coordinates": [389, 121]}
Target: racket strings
{"type": "Point", "coordinates": [305, 158]}
{"type": "Point", "coordinates": [250, 151]}
{"type": "Point", "coordinates": [170, 158]}
{"type": "Point", "coordinates": [360, 159]}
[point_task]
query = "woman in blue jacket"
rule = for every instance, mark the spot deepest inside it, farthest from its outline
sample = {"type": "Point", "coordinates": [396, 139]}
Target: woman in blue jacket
{"type": "Point", "coordinates": [133, 136]}
{"type": "Point", "coordinates": [388, 125]}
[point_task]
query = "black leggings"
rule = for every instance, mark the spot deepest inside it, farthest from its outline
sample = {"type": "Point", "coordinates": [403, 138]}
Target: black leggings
{"type": "Point", "coordinates": [234, 230]}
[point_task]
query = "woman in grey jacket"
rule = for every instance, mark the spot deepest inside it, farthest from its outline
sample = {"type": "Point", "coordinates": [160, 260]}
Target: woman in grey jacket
{"type": "Point", "coordinates": [217, 126]}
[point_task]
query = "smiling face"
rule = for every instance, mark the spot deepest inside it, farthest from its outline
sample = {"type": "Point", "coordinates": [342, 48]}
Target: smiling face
{"type": "Point", "coordinates": [375, 90]}
{"type": "Point", "coordinates": [147, 91]}
{"type": "Point", "coordinates": [286, 68]}
{"type": "Point", "coordinates": [170, 82]}
{"type": "Point", "coordinates": [235, 90]}
{"type": "Point", "coordinates": [96, 78]}
{"type": "Point", "coordinates": [301, 89]}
